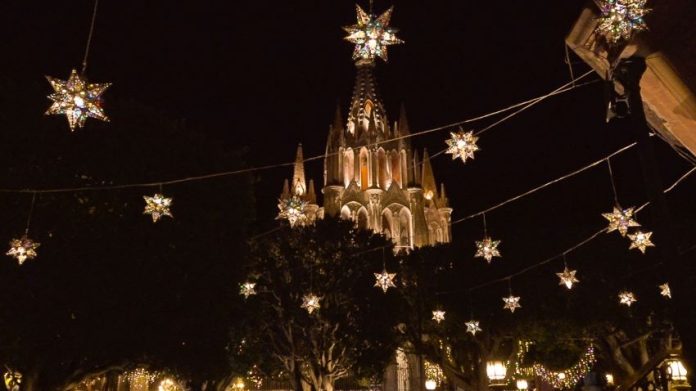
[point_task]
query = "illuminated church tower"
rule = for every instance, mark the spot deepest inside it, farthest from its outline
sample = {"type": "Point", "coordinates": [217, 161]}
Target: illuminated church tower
{"type": "Point", "coordinates": [372, 175]}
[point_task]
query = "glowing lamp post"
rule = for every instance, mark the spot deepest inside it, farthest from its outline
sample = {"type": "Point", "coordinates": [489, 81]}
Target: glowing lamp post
{"type": "Point", "coordinates": [430, 384]}
{"type": "Point", "coordinates": [496, 371]}
{"type": "Point", "coordinates": [677, 374]}
{"type": "Point", "coordinates": [522, 385]}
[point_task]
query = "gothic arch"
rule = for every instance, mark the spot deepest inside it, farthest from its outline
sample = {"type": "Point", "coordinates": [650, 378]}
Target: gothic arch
{"type": "Point", "coordinates": [348, 166]}
{"type": "Point", "coordinates": [405, 228]}
{"type": "Point", "coordinates": [364, 169]}
{"type": "Point", "coordinates": [395, 165]}
{"type": "Point", "coordinates": [383, 172]}
{"type": "Point", "coordinates": [362, 220]}
{"type": "Point", "coordinates": [388, 223]}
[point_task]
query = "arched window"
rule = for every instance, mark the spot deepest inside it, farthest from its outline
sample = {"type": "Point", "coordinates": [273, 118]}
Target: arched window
{"type": "Point", "coordinates": [387, 226]}
{"type": "Point", "coordinates": [383, 172]}
{"type": "Point", "coordinates": [348, 167]}
{"type": "Point", "coordinates": [395, 167]}
{"type": "Point", "coordinates": [362, 219]}
{"type": "Point", "coordinates": [364, 169]}
{"type": "Point", "coordinates": [405, 228]}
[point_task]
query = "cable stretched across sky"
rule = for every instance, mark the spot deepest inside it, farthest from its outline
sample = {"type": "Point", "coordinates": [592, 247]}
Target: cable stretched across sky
{"type": "Point", "coordinates": [522, 107]}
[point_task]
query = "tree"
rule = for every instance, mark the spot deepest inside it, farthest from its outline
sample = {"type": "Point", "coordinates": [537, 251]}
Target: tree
{"type": "Point", "coordinates": [351, 334]}
{"type": "Point", "coordinates": [110, 289]}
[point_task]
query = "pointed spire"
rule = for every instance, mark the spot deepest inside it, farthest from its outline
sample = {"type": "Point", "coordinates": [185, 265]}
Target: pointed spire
{"type": "Point", "coordinates": [444, 201]}
{"type": "Point", "coordinates": [403, 122]}
{"type": "Point", "coordinates": [366, 108]}
{"type": "Point", "coordinates": [416, 170]}
{"type": "Point", "coordinates": [286, 189]}
{"type": "Point", "coordinates": [311, 194]}
{"type": "Point", "coordinates": [338, 119]}
{"type": "Point", "coordinates": [428, 178]}
{"type": "Point", "coordinates": [299, 184]}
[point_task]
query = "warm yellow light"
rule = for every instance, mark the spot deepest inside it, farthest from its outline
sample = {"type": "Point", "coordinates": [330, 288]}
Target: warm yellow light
{"type": "Point", "coordinates": [522, 384]}
{"type": "Point", "coordinates": [430, 384]}
{"type": "Point", "coordinates": [429, 195]}
{"type": "Point", "coordinates": [561, 376]}
{"type": "Point", "coordinates": [496, 371]}
{"type": "Point", "coordinates": [676, 370]}
{"type": "Point", "coordinates": [610, 379]}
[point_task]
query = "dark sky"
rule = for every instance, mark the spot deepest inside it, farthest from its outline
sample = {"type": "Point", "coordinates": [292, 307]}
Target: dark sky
{"type": "Point", "coordinates": [267, 75]}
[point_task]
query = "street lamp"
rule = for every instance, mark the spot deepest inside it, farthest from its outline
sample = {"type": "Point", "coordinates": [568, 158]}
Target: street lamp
{"type": "Point", "coordinates": [610, 379]}
{"type": "Point", "coordinates": [676, 370]}
{"type": "Point", "coordinates": [496, 371]}
{"type": "Point", "coordinates": [522, 385]}
{"type": "Point", "coordinates": [430, 384]}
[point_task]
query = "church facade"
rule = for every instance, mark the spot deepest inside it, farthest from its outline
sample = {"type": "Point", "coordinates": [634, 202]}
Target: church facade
{"type": "Point", "coordinates": [373, 176]}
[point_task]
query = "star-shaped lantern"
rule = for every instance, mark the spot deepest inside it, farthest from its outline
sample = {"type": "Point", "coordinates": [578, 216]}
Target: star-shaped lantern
{"type": "Point", "coordinates": [462, 145]}
{"type": "Point", "coordinates": [292, 209]}
{"type": "Point", "coordinates": [487, 249]}
{"type": "Point", "coordinates": [627, 298]}
{"type": "Point", "coordinates": [22, 249]}
{"type": "Point", "coordinates": [665, 291]}
{"type": "Point", "coordinates": [511, 303]}
{"type": "Point", "coordinates": [641, 241]}
{"type": "Point", "coordinates": [385, 280]}
{"type": "Point", "coordinates": [621, 18]}
{"type": "Point", "coordinates": [77, 99]}
{"type": "Point", "coordinates": [567, 277]}
{"type": "Point", "coordinates": [247, 289]}
{"type": "Point", "coordinates": [371, 35]}
{"type": "Point", "coordinates": [310, 302]}
{"type": "Point", "coordinates": [472, 327]}
{"type": "Point", "coordinates": [620, 220]}
{"type": "Point", "coordinates": [438, 316]}
{"type": "Point", "coordinates": [157, 206]}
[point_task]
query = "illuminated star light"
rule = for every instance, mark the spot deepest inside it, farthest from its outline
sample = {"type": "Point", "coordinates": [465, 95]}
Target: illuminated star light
{"type": "Point", "coordinates": [472, 327]}
{"type": "Point", "coordinates": [292, 210]}
{"type": "Point", "coordinates": [310, 302]}
{"type": "Point", "coordinates": [371, 35]}
{"type": "Point", "coordinates": [511, 303]}
{"type": "Point", "coordinates": [627, 298]}
{"type": "Point", "coordinates": [385, 280]}
{"type": "Point", "coordinates": [157, 206]}
{"type": "Point", "coordinates": [567, 277]}
{"type": "Point", "coordinates": [438, 316]}
{"type": "Point", "coordinates": [620, 220]}
{"type": "Point", "coordinates": [487, 249]}
{"type": "Point", "coordinates": [641, 241]}
{"type": "Point", "coordinates": [665, 290]}
{"type": "Point", "coordinates": [620, 19]}
{"type": "Point", "coordinates": [247, 289]}
{"type": "Point", "coordinates": [462, 145]}
{"type": "Point", "coordinates": [22, 249]}
{"type": "Point", "coordinates": [77, 99]}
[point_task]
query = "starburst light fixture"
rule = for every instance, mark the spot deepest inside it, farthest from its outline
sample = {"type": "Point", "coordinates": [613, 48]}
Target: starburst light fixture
{"type": "Point", "coordinates": [665, 290]}
{"type": "Point", "coordinates": [620, 220]}
{"type": "Point", "coordinates": [371, 35]}
{"type": "Point", "coordinates": [641, 241]}
{"type": "Point", "coordinates": [310, 302]}
{"type": "Point", "coordinates": [627, 298]}
{"type": "Point", "coordinates": [620, 19]}
{"type": "Point", "coordinates": [77, 99]}
{"type": "Point", "coordinates": [472, 327]}
{"type": "Point", "coordinates": [385, 280]}
{"type": "Point", "coordinates": [247, 289]}
{"type": "Point", "coordinates": [511, 303]}
{"type": "Point", "coordinates": [22, 249]}
{"type": "Point", "coordinates": [292, 209]}
{"type": "Point", "coordinates": [157, 206]}
{"type": "Point", "coordinates": [567, 277]}
{"type": "Point", "coordinates": [438, 316]}
{"type": "Point", "coordinates": [462, 145]}
{"type": "Point", "coordinates": [487, 248]}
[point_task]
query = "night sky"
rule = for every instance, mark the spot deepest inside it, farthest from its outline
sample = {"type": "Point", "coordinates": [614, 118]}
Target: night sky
{"type": "Point", "coordinates": [267, 75]}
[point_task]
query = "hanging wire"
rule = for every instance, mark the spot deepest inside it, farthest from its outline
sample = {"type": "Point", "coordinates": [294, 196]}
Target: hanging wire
{"type": "Point", "coordinates": [565, 261]}
{"type": "Point", "coordinates": [89, 37]}
{"type": "Point", "coordinates": [558, 91]}
{"type": "Point", "coordinates": [485, 226]}
{"type": "Point", "coordinates": [570, 65]}
{"type": "Point", "coordinates": [31, 211]}
{"type": "Point", "coordinates": [509, 281]}
{"type": "Point", "coordinates": [613, 184]}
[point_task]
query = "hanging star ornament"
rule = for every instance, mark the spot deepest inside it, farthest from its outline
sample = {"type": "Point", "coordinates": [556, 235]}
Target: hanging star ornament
{"type": "Point", "coordinates": [385, 280]}
{"type": "Point", "coordinates": [665, 291]}
{"type": "Point", "coordinates": [641, 241]}
{"type": "Point", "coordinates": [371, 35]}
{"type": "Point", "coordinates": [157, 206]}
{"type": "Point", "coordinates": [22, 249]}
{"type": "Point", "coordinates": [247, 289]}
{"type": "Point", "coordinates": [620, 220]}
{"type": "Point", "coordinates": [77, 99]}
{"type": "Point", "coordinates": [310, 302]}
{"type": "Point", "coordinates": [487, 249]}
{"type": "Point", "coordinates": [472, 327]}
{"type": "Point", "coordinates": [568, 278]}
{"type": "Point", "coordinates": [438, 316]}
{"type": "Point", "coordinates": [511, 303]}
{"type": "Point", "coordinates": [627, 298]}
{"type": "Point", "coordinates": [292, 209]}
{"type": "Point", "coordinates": [620, 19]}
{"type": "Point", "coordinates": [462, 145]}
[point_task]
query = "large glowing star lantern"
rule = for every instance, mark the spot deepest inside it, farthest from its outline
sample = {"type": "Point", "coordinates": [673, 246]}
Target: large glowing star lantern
{"type": "Point", "coordinates": [77, 99]}
{"type": "Point", "coordinates": [371, 35]}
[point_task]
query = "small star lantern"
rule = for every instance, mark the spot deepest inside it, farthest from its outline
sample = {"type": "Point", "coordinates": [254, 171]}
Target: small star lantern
{"type": "Point", "coordinates": [438, 316]}
{"type": "Point", "coordinates": [462, 145]}
{"type": "Point", "coordinates": [511, 303]}
{"type": "Point", "coordinates": [665, 290]}
{"type": "Point", "coordinates": [77, 99]}
{"type": "Point", "coordinates": [310, 302]}
{"type": "Point", "coordinates": [627, 298]}
{"type": "Point", "coordinates": [620, 220]}
{"type": "Point", "coordinates": [247, 289]}
{"type": "Point", "coordinates": [472, 327]}
{"type": "Point", "coordinates": [385, 280]}
{"type": "Point", "coordinates": [487, 249]}
{"type": "Point", "coordinates": [22, 249]}
{"type": "Point", "coordinates": [157, 206]}
{"type": "Point", "coordinates": [641, 241]}
{"type": "Point", "coordinates": [568, 278]}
